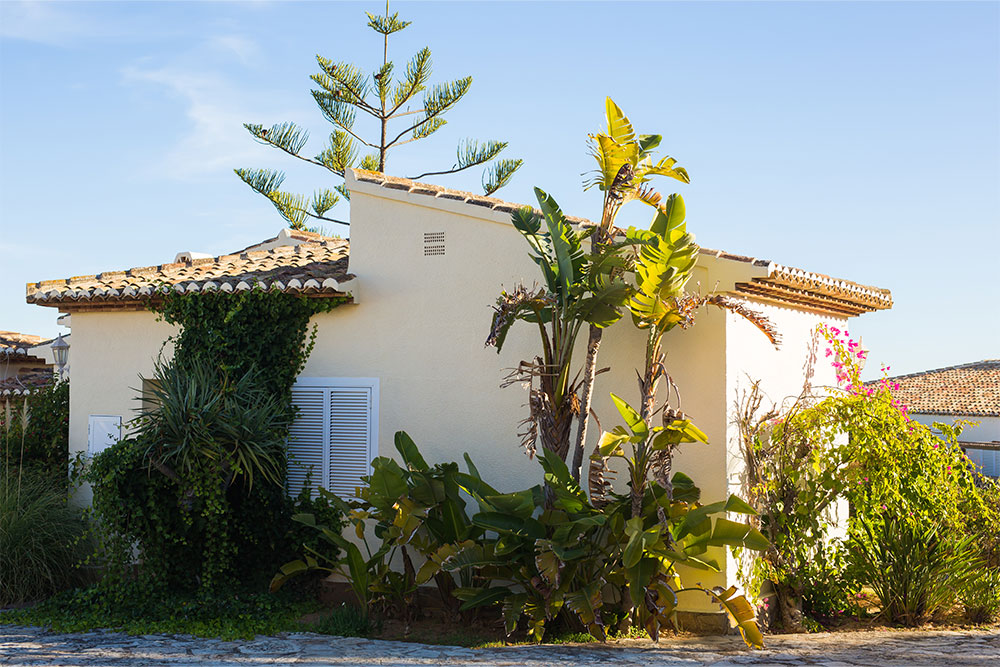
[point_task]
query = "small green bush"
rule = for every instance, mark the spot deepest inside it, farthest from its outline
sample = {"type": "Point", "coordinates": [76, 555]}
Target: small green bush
{"type": "Point", "coordinates": [981, 596]}
{"type": "Point", "coordinates": [916, 570]}
{"type": "Point", "coordinates": [139, 507]}
{"type": "Point", "coordinates": [34, 429]}
{"type": "Point", "coordinates": [346, 621]}
{"type": "Point", "coordinates": [42, 537]}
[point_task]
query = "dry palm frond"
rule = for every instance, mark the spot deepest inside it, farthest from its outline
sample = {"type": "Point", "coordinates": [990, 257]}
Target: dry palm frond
{"type": "Point", "coordinates": [509, 304]}
{"type": "Point", "coordinates": [738, 307]}
{"type": "Point", "coordinates": [545, 421]}
{"type": "Point", "coordinates": [622, 182]}
{"type": "Point", "coordinates": [599, 479]}
{"type": "Point", "coordinates": [648, 195]}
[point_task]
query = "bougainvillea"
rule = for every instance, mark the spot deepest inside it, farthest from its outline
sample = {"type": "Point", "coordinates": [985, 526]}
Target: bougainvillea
{"type": "Point", "coordinates": [856, 441]}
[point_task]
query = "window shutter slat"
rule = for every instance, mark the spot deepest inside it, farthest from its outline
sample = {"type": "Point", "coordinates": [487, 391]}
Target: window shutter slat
{"type": "Point", "coordinates": [306, 446]}
{"type": "Point", "coordinates": [350, 437]}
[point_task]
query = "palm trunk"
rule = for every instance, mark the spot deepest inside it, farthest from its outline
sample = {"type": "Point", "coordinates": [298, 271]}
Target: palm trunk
{"type": "Point", "coordinates": [587, 390]}
{"type": "Point", "coordinates": [600, 240]}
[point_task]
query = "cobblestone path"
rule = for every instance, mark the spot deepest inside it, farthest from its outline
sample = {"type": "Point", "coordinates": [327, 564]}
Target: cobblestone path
{"type": "Point", "coordinates": [32, 646]}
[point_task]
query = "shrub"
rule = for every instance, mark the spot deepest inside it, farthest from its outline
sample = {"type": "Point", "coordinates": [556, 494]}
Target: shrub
{"type": "Point", "coordinates": [914, 498]}
{"type": "Point", "coordinates": [345, 621]}
{"type": "Point", "coordinates": [34, 429]}
{"type": "Point", "coordinates": [42, 537]}
{"type": "Point", "coordinates": [199, 489]}
{"type": "Point", "coordinates": [916, 570]}
{"type": "Point", "coordinates": [131, 607]}
{"type": "Point", "coordinates": [981, 596]}
{"type": "Point", "coordinates": [140, 508]}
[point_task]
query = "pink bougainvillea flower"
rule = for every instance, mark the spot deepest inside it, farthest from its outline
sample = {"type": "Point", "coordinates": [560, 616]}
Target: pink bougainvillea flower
{"type": "Point", "coordinates": [828, 352]}
{"type": "Point", "coordinates": [835, 331]}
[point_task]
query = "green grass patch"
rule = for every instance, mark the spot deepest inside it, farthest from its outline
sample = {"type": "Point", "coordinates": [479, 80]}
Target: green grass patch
{"type": "Point", "coordinates": [137, 610]}
{"type": "Point", "coordinates": [345, 621]}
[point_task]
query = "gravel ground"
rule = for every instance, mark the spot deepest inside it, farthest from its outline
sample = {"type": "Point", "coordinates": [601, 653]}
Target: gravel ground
{"type": "Point", "coordinates": [34, 646]}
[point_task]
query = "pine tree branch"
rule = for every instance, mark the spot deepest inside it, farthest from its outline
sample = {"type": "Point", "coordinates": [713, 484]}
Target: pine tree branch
{"type": "Point", "coordinates": [352, 87]}
{"type": "Point", "coordinates": [407, 113]}
{"type": "Point", "coordinates": [470, 155]}
{"type": "Point", "coordinates": [417, 73]}
{"type": "Point", "coordinates": [410, 129]}
{"type": "Point", "coordinates": [453, 170]}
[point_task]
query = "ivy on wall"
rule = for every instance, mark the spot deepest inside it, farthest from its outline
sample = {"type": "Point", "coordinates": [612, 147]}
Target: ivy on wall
{"type": "Point", "coordinates": [206, 525]}
{"type": "Point", "coordinates": [235, 332]}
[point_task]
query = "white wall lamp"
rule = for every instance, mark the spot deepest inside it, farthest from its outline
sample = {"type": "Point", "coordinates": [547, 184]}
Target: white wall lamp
{"type": "Point", "coordinates": [60, 350]}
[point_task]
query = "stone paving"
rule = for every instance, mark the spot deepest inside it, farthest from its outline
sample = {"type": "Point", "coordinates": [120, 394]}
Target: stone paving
{"type": "Point", "coordinates": [33, 646]}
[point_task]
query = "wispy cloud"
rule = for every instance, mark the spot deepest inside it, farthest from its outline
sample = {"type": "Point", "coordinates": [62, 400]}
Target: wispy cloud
{"type": "Point", "coordinates": [246, 50]}
{"type": "Point", "coordinates": [214, 104]}
{"type": "Point", "coordinates": [46, 23]}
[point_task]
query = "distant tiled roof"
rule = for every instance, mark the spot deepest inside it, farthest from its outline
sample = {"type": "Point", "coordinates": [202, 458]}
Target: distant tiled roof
{"type": "Point", "coordinates": [970, 389]}
{"type": "Point", "coordinates": [317, 266]}
{"type": "Point", "coordinates": [783, 284]}
{"type": "Point", "coordinates": [25, 383]}
{"type": "Point", "coordinates": [12, 342]}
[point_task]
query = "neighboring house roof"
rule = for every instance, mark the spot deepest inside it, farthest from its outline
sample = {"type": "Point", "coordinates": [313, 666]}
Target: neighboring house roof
{"type": "Point", "coordinates": [315, 266]}
{"type": "Point", "coordinates": [783, 284]}
{"type": "Point", "coordinates": [12, 342]}
{"type": "Point", "coordinates": [25, 383]}
{"type": "Point", "coordinates": [966, 390]}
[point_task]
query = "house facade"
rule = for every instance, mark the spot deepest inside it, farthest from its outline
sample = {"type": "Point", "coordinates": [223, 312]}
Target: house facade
{"type": "Point", "coordinates": [968, 392]}
{"type": "Point", "coordinates": [424, 265]}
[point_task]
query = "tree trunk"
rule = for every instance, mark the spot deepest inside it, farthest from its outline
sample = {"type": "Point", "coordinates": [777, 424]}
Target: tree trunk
{"type": "Point", "coordinates": [589, 374]}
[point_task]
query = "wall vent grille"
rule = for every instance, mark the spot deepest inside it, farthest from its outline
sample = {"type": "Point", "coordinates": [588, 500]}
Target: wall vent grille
{"type": "Point", "coordinates": [433, 243]}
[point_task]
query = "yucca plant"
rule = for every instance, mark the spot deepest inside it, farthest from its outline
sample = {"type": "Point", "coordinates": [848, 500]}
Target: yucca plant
{"type": "Point", "coordinates": [193, 415]}
{"type": "Point", "coordinates": [981, 595]}
{"type": "Point", "coordinates": [916, 570]}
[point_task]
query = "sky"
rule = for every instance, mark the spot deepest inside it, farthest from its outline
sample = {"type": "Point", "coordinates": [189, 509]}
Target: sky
{"type": "Point", "coordinates": [860, 140]}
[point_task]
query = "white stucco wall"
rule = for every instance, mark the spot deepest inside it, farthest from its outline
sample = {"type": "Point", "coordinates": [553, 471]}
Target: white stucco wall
{"type": "Point", "coordinates": [781, 372]}
{"type": "Point", "coordinates": [112, 352]}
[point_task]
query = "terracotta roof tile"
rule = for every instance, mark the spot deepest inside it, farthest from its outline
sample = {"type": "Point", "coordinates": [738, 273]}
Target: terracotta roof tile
{"type": "Point", "coordinates": [969, 389]}
{"type": "Point", "coordinates": [318, 265]}
{"type": "Point", "coordinates": [24, 383]}
{"type": "Point", "coordinates": [12, 342]}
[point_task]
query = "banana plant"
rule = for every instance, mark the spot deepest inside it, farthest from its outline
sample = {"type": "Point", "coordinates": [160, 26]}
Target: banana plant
{"type": "Point", "coordinates": [406, 507]}
{"type": "Point", "coordinates": [625, 166]}
{"type": "Point", "coordinates": [576, 291]}
{"type": "Point", "coordinates": [597, 563]}
{"type": "Point", "coordinates": [647, 447]}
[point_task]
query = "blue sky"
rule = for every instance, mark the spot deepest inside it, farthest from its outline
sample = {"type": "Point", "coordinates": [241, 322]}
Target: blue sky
{"type": "Point", "coordinates": [861, 140]}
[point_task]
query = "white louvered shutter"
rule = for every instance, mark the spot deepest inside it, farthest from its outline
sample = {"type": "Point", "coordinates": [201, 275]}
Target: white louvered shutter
{"type": "Point", "coordinates": [350, 438]}
{"type": "Point", "coordinates": [306, 442]}
{"type": "Point", "coordinates": [333, 439]}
